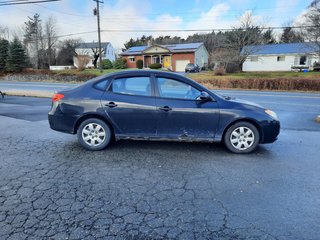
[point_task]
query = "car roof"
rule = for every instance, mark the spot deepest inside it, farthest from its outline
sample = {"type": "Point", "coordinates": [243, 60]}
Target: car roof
{"type": "Point", "coordinates": [138, 72]}
{"type": "Point", "coordinates": [133, 72]}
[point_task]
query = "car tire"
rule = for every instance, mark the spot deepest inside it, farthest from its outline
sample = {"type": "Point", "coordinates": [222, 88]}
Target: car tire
{"type": "Point", "coordinates": [242, 137]}
{"type": "Point", "coordinates": [94, 134]}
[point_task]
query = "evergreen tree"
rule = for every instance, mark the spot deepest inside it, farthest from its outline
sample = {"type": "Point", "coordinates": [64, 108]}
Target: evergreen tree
{"type": "Point", "coordinates": [268, 37]}
{"type": "Point", "coordinates": [289, 35]}
{"type": "Point", "coordinates": [17, 58]}
{"type": "Point", "coordinates": [4, 51]}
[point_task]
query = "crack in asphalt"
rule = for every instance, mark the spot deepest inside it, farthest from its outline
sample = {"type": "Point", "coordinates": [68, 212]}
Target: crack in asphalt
{"type": "Point", "coordinates": [51, 188]}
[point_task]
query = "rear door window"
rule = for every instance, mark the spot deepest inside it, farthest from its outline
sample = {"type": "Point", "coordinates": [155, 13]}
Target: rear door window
{"type": "Point", "coordinates": [140, 86]}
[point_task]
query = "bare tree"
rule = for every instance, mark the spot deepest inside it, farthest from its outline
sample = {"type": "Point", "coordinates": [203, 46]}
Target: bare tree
{"type": "Point", "coordinates": [93, 52]}
{"type": "Point", "coordinates": [67, 50]}
{"type": "Point", "coordinates": [96, 55]}
{"type": "Point", "coordinates": [312, 32]}
{"type": "Point", "coordinates": [50, 37]}
{"type": "Point", "coordinates": [32, 37]}
{"type": "Point", "coordinates": [248, 33]}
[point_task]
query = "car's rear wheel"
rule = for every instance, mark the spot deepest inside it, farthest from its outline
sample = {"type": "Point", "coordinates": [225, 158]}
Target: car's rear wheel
{"type": "Point", "coordinates": [94, 134]}
{"type": "Point", "coordinates": [242, 137]}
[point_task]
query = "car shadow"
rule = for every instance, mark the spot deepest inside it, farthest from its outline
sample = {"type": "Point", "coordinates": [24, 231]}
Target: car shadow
{"type": "Point", "coordinates": [166, 147]}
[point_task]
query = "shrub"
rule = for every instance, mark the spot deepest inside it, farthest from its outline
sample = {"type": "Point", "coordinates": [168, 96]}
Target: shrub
{"type": "Point", "coordinates": [120, 63]}
{"type": "Point", "coordinates": [155, 66]}
{"type": "Point", "coordinates": [139, 64]}
{"type": "Point", "coordinates": [107, 64]}
{"type": "Point", "coordinates": [220, 71]}
{"type": "Point", "coordinates": [316, 66]}
{"type": "Point", "coordinates": [81, 61]}
{"type": "Point", "coordinates": [282, 84]}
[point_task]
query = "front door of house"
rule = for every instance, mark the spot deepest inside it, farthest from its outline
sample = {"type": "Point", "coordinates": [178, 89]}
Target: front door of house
{"type": "Point", "coordinates": [166, 61]}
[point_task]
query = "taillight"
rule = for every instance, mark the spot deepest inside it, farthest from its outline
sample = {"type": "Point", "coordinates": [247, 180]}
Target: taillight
{"type": "Point", "coordinates": [57, 97]}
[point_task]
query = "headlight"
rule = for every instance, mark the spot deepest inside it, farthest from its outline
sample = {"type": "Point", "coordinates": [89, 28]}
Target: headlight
{"type": "Point", "coordinates": [271, 113]}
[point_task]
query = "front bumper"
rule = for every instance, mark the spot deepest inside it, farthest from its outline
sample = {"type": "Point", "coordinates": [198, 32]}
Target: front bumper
{"type": "Point", "coordinates": [270, 131]}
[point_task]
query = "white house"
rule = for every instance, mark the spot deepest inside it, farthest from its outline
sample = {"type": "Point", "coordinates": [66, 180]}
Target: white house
{"type": "Point", "coordinates": [91, 49]}
{"type": "Point", "coordinates": [280, 57]}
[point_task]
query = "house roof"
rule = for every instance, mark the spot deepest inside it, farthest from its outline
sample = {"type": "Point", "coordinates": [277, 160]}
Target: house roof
{"type": "Point", "coordinates": [175, 48]}
{"type": "Point", "coordinates": [283, 48]}
{"type": "Point", "coordinates": [93, 45]}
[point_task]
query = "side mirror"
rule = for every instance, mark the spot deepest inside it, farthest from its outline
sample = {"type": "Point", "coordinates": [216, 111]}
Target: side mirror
{"type": "Point", "coordinates": [204, 97]}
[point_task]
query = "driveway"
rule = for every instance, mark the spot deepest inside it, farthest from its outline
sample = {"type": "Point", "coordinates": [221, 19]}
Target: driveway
{"type": "Point", "coordinates": [52, 188]}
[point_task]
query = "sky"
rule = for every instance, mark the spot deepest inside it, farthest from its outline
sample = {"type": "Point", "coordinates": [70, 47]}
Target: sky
{"type": "Point", "coordinates": [76, 16]}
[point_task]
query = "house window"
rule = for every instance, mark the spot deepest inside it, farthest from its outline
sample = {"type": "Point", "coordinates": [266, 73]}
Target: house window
{"type": "Point", "coordinates": [254, 59]}
{"type": "Point", "coordinates": [281, 58]}
{"type": "Point", "coordinates": [131, 59]}
{"type": "Point", "coordinates": [303, 60]}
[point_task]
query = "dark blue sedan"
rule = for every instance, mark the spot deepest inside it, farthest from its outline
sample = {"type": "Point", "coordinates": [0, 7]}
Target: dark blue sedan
{"type": "Point", "coordinates": [155, 105]}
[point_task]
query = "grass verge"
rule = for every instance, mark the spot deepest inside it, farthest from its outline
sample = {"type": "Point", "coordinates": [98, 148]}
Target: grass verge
{"type": "Point", "coordinates": [273, 81]}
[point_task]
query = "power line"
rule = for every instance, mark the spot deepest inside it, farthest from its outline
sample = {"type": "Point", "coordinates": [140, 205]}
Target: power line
{"type": "Point", "coordinates": [176, 30]}
{"type": "Point", "coordinates": [204, 30]}
{"type": "Point", "coordinates": [19, 2]}
{"type": "Point", "coordinates": [65, 13]}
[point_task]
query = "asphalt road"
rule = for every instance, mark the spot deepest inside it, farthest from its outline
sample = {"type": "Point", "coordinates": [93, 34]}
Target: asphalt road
{"type": "Point", "coordinates": [43, 86]}
{"type": "Point", "coordinates": [52, 188]}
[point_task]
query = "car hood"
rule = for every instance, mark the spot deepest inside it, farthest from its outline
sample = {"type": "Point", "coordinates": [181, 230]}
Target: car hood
{"type": "Point", "coordinates": [241, 101]}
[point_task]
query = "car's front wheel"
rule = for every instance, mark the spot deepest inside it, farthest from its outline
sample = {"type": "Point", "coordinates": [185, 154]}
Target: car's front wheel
{"type": "Point", "coordinates": [94, 134]}
{"type": "Point", "coordinates": [242, 137]}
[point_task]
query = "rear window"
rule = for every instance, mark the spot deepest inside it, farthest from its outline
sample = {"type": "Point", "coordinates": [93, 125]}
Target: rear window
{"type": "Point", "coordinates": [132, 86]}
{"type": "Point", "coordinates": [190, 65]}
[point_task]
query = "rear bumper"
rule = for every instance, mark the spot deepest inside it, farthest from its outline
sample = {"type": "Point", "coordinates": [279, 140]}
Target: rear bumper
{"type": "Point", "coordinates": [271, 131]}
{"type": "Point", "coordinates": [62, 123]}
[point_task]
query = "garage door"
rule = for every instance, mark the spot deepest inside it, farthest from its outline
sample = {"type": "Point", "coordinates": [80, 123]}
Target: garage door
{"type": "Point", "coordinates": [181, 65]}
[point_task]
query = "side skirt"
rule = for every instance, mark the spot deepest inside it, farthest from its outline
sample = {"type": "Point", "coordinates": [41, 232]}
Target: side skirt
{"type": "Point", "coordinates": [182, 139]}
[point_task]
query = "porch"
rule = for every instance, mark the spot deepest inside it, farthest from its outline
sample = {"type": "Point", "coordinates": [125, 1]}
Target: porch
{"type": "Point", "coordinates": [164, 59]}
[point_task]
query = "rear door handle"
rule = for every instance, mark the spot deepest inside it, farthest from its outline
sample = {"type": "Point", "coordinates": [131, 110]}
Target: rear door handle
{"type": "Point", "coordinates": [165, 108]}
{"type": "Point", "coordinates": [111, 105]}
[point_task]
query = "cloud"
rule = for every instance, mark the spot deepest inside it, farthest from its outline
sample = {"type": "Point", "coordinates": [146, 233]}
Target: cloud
{"type": "Point", "coordinates": [135, 15]}
{"type": "Point", "coordinates": [211, 19]}
{"type": "Point", "coordinates": [283, 6]}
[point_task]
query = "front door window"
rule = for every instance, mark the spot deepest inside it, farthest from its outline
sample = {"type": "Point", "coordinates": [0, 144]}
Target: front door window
{"type": "Point", "coordinates": [170, 88]}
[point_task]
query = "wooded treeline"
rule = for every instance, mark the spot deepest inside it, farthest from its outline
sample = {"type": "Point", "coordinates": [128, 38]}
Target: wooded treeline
{"type": "Point", "coordinates": [41, 46]}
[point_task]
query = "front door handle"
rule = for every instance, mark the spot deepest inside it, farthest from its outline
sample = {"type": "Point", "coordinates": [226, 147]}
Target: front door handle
{"type": "Point", "coordinates": [111, 105]}
{"type": "Point", "coordinates": [165, 108]}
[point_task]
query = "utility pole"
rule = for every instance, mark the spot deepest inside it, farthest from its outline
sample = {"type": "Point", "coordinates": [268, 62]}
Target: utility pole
{"type": "Point", "coordinates": [97, 13]}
